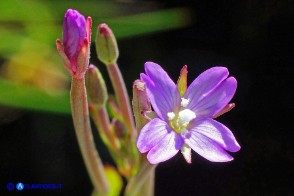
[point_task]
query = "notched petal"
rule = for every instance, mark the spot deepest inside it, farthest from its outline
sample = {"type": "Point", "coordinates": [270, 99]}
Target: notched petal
{"type": "Point", "coordinates": [164, 98]}
{"type": "Point", "coordinates": [217, 132]}
{"type": "Point", "coordinates": [217, 99]}
{"type": "Point", "coordinates": [207, 148]}
{"type": "Point", "coordinates": [166, 148]}
{"type": "Point", "coordinates": [151, 134]}
{"type": "Point", "coordinates": [204, 84]}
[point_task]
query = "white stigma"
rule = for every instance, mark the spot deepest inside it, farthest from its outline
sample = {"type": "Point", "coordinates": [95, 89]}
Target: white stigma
{"type": "Point", "coordinates": [185, 116]}
{"type": "Point", "coordinates": [184, 102]}
{"type": "Point", "coordinates": [184, 131]}
{"type": "Point", "coordinates": [171, 115]}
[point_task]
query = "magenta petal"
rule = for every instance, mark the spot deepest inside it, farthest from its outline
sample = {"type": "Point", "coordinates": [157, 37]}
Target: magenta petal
{"type": "Point", "coordinates": [216, 132]}
{"type": "Point", "coordinates": [207, 148]}
{"type": "Point", "coordinates": [204, 84]}
{"type": "Point", "coordinates": [151, 134]}
{"type": "Point", "coordinates": [162, 91]}
{"type": "Point", "coordinates": [166, 148]}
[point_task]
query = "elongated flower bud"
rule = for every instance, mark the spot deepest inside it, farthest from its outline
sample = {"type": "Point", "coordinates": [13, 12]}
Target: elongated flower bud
{"type": "Point", "coordinates": [74, 48]}
{"type": "Point", "coordinates": [106, 45]}
{"type": "Point", "coordinates": [74, 32]}
{"type": "Point", "coordinates": [96, 88]}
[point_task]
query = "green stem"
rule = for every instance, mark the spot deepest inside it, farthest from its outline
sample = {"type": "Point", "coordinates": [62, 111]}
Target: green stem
{"type": "Point", "coordinates": [147, 188]}
{"type": "Point", "coordinates": [136, 182]}
{"type": "Point", "coordinates": [122, 98]}
{"type": "Point", "coordinates": [101, 120]}
{"type": "Point", "coordinates": [80, 113]}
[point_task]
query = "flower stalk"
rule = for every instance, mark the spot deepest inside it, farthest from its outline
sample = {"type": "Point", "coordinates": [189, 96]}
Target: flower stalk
{"type": "Point", "coordinates": [80, 113]}
{"type": "Point", "coordinates": [146, 174]}
{"type": "Point", "coordinates": [122, 98]}
{"type": "Point", "coordinates": [101, 120]}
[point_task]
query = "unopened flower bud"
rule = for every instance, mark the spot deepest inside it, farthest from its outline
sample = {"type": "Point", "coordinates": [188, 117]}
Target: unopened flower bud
{"type": "Point", "coordinates": [140, 103]}
{"type": "Point", "coordinates": [106, 45]}
{"type": "Point", "coordinates": [96, 88]}
{"type": "Point", "coordinates": [74, 48]}
{"type": "Point", "coordinates": [119, 129]}
{"type": "Point", "coordinates": [74, 32]}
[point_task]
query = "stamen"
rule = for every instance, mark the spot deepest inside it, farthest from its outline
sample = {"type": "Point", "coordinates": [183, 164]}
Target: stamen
{"type": "Point", "coordinates": [185, 116]}
{"type": "Point", "coordinates": [171, 115]}
{"type": "Point", "coordinates": [184, 131]}
{"type": "Point", "coordinates": [179, 121]}
{"type": "Point", "coordinates": [184, 102]}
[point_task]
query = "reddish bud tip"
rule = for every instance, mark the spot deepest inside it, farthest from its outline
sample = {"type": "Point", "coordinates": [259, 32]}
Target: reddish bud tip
{"type": "Point", "coordinates": [104, 29]}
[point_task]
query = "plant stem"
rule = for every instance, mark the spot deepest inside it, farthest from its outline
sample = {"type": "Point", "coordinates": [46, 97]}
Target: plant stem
{"type": "Point", "coordinates": [122, 98]}
{"type": "Point", "coordinates": [101, 120]}
{"type": "Point", "coordinates": [136, 183]}
{"type": "Point", "coordinates": [80, 113]}
{"type": "Point", "coordinates": [147, 188]}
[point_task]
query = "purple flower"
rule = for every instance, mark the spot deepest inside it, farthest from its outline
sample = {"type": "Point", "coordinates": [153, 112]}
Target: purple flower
{"type": "Point", "coordinates": [186, 122]}
{"type": "Point", "coordinates": [74, 49]}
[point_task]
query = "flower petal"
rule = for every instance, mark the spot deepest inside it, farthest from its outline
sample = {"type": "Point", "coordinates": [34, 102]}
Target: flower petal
{"type": "Point", "coordinates": [203, 84]}
{"type": "Point", "coordinates": [151, 134]}
{"type": "Point", "coordinates": [216, 132]}
{"type": "Point", "coordinates": [166, 148]}
{"type": "Point", "coordinates": [206, 147]}
{"type": "Point", "coordinates": [161, 90]}
{"type": "Point", "coordinates": [217, 99]}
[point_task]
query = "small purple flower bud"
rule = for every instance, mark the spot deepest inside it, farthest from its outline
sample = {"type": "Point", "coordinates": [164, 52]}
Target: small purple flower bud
{"type": "Point", "coordinates": [74, 32]}
{"type": "Point", "coordinates": [74, 49]}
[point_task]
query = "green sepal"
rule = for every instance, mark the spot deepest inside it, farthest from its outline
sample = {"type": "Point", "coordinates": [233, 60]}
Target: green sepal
{"type": "Point", "coordinates": [182, 81]}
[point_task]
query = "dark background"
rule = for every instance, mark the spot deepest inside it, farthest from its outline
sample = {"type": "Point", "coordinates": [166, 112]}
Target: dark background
{"type": "Point", "coordinates": [254, 39]}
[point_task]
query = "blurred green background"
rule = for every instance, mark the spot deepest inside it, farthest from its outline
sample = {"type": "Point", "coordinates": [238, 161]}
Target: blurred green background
{"type": "Point", "coordinates": [32, 75]}
{"type": "Point", "coordinates": [253, 38]}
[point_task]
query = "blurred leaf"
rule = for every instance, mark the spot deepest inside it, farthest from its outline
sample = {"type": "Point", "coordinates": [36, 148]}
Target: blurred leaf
{"type": "Point", "coordinates": [114, 180]}
{"type": "Point", "coordinates": [149, 22]}
{"type": "Point", "coordinates": [22, 19]}
{"type": "Point", "coordinates": [28, 97]}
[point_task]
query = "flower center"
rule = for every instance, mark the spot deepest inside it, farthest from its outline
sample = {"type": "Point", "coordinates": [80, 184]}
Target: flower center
{"type": "Point", "coordinates": [179, 121]}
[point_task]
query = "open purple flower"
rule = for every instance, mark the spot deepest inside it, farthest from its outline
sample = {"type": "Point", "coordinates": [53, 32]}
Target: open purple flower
{"type": "Point", "coordinates": [185, 122]}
